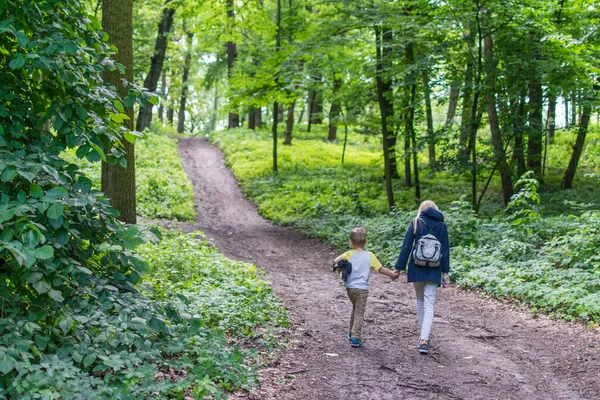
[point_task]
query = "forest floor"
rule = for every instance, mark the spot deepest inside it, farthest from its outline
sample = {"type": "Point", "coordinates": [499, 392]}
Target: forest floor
{"type": "Point", "coordinates": [481, 348]}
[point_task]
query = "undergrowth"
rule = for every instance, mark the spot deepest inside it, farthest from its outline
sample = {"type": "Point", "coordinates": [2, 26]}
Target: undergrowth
{"type": "Point", "coordinates": [529, 253]}
{"type": "Point", "coordinates": [162, 187]}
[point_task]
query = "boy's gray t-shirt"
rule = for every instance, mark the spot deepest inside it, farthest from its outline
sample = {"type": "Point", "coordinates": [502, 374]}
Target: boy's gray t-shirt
{"type": "Point", "coordinates": [362, 264]}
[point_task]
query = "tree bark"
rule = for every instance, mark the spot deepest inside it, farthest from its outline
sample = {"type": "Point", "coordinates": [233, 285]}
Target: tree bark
{"type": "Point", "coordinates": [156, 66]}
{"type": "Point", "coordinates": [467, 105]}
{"type": "Point", "coordinates": [276, 104]}
{"type": "Point", "coordinates": [429, 115]}
{"type": "Point", "coordinates": [252, 118]}
{"type": "Point", "coordinates": [184, 84]}
{"type": "Point", "coordinates": [384, 109]}
{"type": "Point", "coordinates": [409, 118]}
{"type": "Point", "coordinates": [453, 102]}
{"type": "Point", "coordinates": [497, 143]}
{"type": "Point", "coordinates": [551, 116]}
{"type": "Point", "coordinates": [535, 134]}
{"type": "Point", "coordinates": [163, 96]}
{"type": "Point", "coordinates": [567, 182]}
{"type": "Point", "coordinates": [289, 125]}
{"type": "Point", "coordinates": [118, 183]}
{"type": "Point", "coordinates": [518, 124]}
{"type": "Point", "coordinates": [316, 104]}
{"type": "Point", "coordinates": [231, 47]}
{"type": "Point", "coordinates": [213, 117]}
{"type": "Point", "coordinates": [334, 111]}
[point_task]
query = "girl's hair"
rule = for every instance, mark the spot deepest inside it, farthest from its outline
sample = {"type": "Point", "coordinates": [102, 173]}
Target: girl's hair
{"type": "Point", "coordinates": [425, 204]}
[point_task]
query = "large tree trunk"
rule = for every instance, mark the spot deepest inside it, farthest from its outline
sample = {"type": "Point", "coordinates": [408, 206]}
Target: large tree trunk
{"type": "Point", "coordinates": [384, 108]}
{"type": "Point", "coordinates": [429, 115]}
{"type": "Point", "coordinates": [156, 66]}
{"type": "Point", "coordinates": [184, 84]}
{"type": "Point", "coordinates": [497, 144]}
{"type": "Point", "coordinates": [234, 117]}
{"type": "Point", "coordinates": [567, 182]}
{"type": "Point", "coordinates": [289, 125]}
{"type": "Point", "coordinates": [316, 103]}
{"type": "Point", "coordinates": [118, 183]}
{"type": "Point", "coordinates": [252, 118]}
{"type": "Point", "coordinates": [334, 111]}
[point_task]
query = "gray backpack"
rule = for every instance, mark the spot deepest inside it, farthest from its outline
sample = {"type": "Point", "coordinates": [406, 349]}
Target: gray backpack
{"type": "Point", "coordinates": [427, 251]}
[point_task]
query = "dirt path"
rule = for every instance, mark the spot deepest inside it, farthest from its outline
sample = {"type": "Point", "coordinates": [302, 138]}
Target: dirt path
{"type": "Point", "coordinates": [482, 349]}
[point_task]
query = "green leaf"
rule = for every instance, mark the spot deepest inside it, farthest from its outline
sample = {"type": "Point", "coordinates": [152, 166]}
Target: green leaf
{"type": "Point", "coordinates": [55, 210]}
{"type": "Point", "coordinates": [17, 63]}
{"type": "Point", "coordinates": [119, 118]}
{"type": "Point", "coordinates": [119, 106]}
{"type": "Point", "coordinates": [88, 360]}
{"type": "Point", "coordinates": [36, 191]}
{"type": "Point", "coordinates": [56, 295]}
{"type": "Point", "coordinates": [44, 253]}
{"type": "Point", "coordinates": [41, 287]}
{"type": "Point", "coordinates": [71, 48]}
{"type": "Point", "coordinates": [21, 39]}
{"type": "Point", "coordinates": [129, 137]}
{"type": "Point", "coordinates": [7, 364]}
{"type": "Point", "coordinates": [2, 142]}
{"type": "Point", "coordinates": [129, 100]}
{"type": "Point", "coordinates": [153, 100]}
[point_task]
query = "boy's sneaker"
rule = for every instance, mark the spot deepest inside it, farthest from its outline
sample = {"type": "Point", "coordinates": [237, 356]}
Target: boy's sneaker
{"type": "Point", "coordinates": [356, 342]}
{"type": "Point", "coordinates": [349, 335]}
{"type": "Point", "coordinates": [424, 348]}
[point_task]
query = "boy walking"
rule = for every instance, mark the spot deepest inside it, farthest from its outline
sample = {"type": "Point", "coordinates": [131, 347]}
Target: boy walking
{"type": "Point", "coordinates": [357, 284]}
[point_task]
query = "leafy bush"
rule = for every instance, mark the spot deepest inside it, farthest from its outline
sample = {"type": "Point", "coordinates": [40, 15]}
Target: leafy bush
{"type": "Point", "coordinates": [162, 188]}
{"type": "Point", "coordinates": [548, 262]}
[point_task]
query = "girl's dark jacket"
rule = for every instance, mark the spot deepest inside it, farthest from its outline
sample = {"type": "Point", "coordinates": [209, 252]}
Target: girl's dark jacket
{"type": "Point", "coordinates": [428, 219]}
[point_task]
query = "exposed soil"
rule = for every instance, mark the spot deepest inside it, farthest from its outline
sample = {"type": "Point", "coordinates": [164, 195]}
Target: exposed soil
{"type": "Point", "coordinates": [482, 348]}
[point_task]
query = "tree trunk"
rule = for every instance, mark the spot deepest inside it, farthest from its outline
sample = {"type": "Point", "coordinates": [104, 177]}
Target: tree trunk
{"type": "Point", "coordinates": [567, 182]}
{"type": "Point", "coordinates": [252, 118]}
{"type": "Point", "coordinates": [467, 105]}
{"type": "Point", "coordinates": [551, 116]}
{"type": "Point", "coordinates": [234, 118]}
{"type": "Point", "coordinates": [452, 103]}
{"type": "Point", "coordinates": [301, 114]}
{"type": "Point", "coordinates": [184, 84]}
{"type": "Point", "coordinates": [334, 111]}
{"type": "Point", "coordinates": [499, 153]}
{"type": "Point", "coordinates": [258, 117]}
{"type": "Point", "coordinates": [163, 96]}
{"type": "Point", "coordinates": [409, 118]}
{"type": "Point", "coordinates": [275, 104]}
{"type": "Point", "coordinates": [384, 108]}
{"type": "Point", "coordinates": [535, 134]}
{"type": "Point", "coordinates": [118, 183]}
{"type": "Point", "coordinates": [429, 114]}
{"type": "Point", "coordinates": [574, 108]}
{"type": "Point", "coordinates": [567, 120]}
{"type": "Point", "coordinates": [156, 66]}
{"type": "Point", "coordinates": [518, 124]}
{"type": "Point", "coordinates": [289, 125]}
{"type": "Point", "coordinates": [316, 104]}
{"type": "Point", "coordinates": [213, 117]}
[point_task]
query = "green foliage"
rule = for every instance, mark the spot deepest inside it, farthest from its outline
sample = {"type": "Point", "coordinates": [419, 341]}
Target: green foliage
{"type": "Point", "coordinates": [76, 320]}
{"type": "Point", "coordinates": [162, 188]}
{"type": "Point", "coordinates": [547, 262]}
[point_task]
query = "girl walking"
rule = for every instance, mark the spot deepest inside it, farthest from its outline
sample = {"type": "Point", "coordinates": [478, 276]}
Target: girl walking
{"type": "Point", "coordinates": [432, 256]}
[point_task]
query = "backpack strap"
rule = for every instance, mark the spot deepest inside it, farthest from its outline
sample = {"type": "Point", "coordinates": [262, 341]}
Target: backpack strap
{"type": "Point", "coordinates": [430, 229]}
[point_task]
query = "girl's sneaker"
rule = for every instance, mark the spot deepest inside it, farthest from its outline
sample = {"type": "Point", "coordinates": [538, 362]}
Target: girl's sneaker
{"type": "Point", "coordinates": [424, 348]}
{"type": "Point", "coordinates": [349, 335]}
{"type": "Point", "coordinates": [356, 342]}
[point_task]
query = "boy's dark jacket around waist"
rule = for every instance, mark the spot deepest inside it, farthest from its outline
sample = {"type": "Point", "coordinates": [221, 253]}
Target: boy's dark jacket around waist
{"type": "Point", "coordinates": [430, 218]}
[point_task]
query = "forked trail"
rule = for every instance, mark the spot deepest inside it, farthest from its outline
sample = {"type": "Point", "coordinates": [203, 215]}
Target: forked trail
{"type": "Point", "coordinates": [482, 349]}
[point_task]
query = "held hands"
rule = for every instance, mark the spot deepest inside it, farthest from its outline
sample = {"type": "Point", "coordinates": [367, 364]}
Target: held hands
{"type": "Point", "coordinates": [445, 280]}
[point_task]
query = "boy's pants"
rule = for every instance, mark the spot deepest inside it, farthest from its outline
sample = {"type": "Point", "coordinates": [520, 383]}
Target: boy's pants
{"type": "Point", "coordinates": [426, 292]}
{"type": "Point", "coordinates": [358, 298]}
